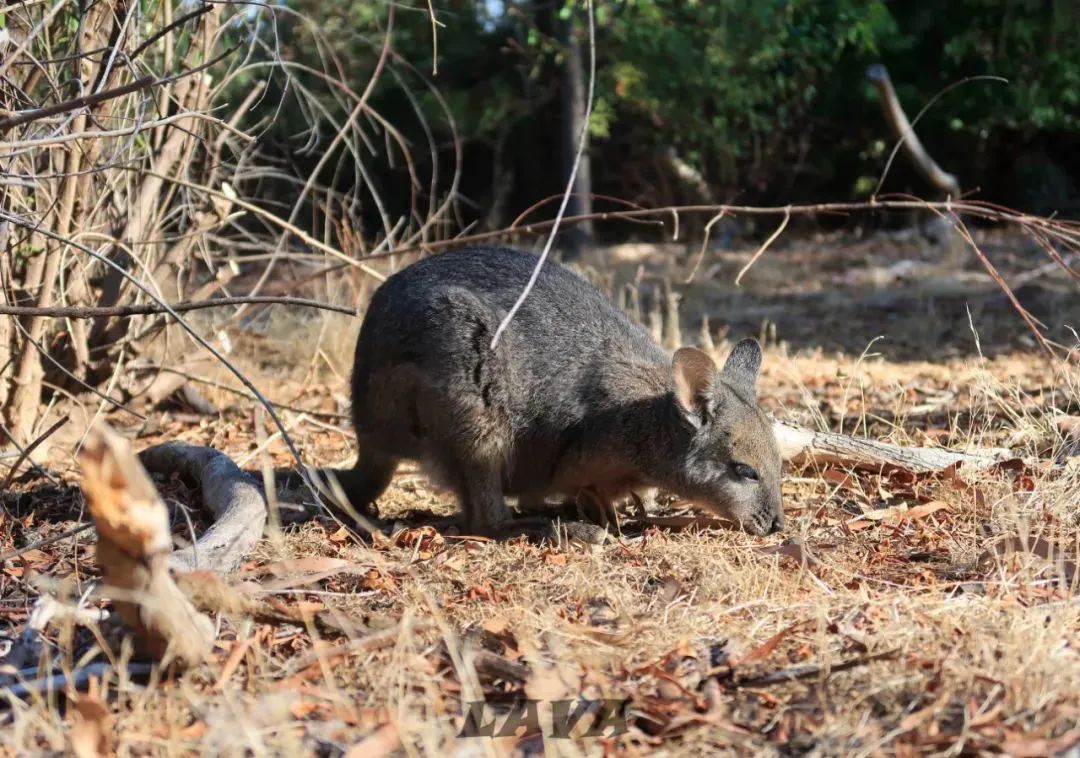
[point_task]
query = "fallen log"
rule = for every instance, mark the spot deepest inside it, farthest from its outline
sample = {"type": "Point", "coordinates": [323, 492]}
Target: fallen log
{"type": "Point", "coordinates": [799, 446]}
{"type": "Point", "coordinates": [232, 497]}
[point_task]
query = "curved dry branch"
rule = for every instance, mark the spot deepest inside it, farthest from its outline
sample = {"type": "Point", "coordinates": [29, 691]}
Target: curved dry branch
{"type": "Point", "coordinates": [905, 134]}
{"type": "Point", "coordinates": [237, 504]}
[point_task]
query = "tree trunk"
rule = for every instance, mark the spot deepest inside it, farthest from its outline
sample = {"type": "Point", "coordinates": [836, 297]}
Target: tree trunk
{"type": "Point", "coordinates": [574, 84]}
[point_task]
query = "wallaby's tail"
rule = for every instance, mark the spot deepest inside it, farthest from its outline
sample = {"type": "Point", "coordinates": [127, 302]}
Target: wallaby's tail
{"type": "Point", "coordinates": [348, 492]}
{"type": "Point", "coordinates": [364, 482]}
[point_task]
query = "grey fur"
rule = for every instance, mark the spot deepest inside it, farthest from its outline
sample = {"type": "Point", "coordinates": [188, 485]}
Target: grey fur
{"type": "Point", "coordinates": [574, 395]}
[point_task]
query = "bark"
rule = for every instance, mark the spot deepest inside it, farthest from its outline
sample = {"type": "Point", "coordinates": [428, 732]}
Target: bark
{"type": "Point", "coordinates": [133, 552]}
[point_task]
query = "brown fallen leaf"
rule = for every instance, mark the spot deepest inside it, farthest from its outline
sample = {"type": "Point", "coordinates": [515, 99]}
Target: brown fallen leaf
{"type": "Point", "coordinates": [796, 551]}
{"type": "Point", "coordinates": [341, 535]}
{"type": "Point", "coordinates": [424, 541]}
{"type": "Point", "coordinates": [553, 558]}
{"type": "Point", "coordinates": [236, 655]}
{"type": "Point", "coordinates": [310, 565]}
{"type": "Point", "coordinates": [841, 479]}
{"type": "Point", "coordinates": [296, 572]}
{"type": "Point", "coordinates": [1034, 747]}
{"type": "Point", "coordinates": [196, 730]}
{"type": "Point", "coordinates": [377, 581]}
{"type": "Point", "coordinates": [765, 649]}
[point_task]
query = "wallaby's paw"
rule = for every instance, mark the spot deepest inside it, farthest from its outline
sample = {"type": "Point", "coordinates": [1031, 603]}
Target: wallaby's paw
{"type": "Point", "coordinates": [566, 533]}
{"type": "Point", "coordinates": [593, 506]}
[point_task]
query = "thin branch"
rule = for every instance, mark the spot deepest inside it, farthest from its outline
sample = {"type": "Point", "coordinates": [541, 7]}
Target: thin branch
{"type": "Point", "coordinates": [988, 211]}
{"type": "Point", "coordinates": [794, 673]}
{"type": "Point", "coordinates": [190, 330]}
{"type": "Point", "coordinates": [176, 24]}
{"type": "Point", "coordinates": [266, 215]}
{"type": "Point", "coordinates": [992, 270]}
{"type": "Point", "coordinates": [60, 139]}
{"type": "Point", "coordinates": [765, 246]}
{"type": "Point", "coordinates": [85, 101]}
{"type": "Point", "coordinates": [25, 453]}
{"type": "Point", "coordinates": [145, 309]}
{"type": "Point", "coordinates": [582, 140]}
{"type": "Point", "coordinates": [46, 542]}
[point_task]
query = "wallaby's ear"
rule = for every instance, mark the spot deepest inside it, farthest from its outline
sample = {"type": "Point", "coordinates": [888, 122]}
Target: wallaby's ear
{"type": "Point", "coordinates": [742, 366]}
{"type": "Point", "coordinates": [694, 373]}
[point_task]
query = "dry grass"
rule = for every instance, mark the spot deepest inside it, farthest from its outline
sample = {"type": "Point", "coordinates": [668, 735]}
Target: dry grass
{"type": "Point", "coordinates": [979, 648]}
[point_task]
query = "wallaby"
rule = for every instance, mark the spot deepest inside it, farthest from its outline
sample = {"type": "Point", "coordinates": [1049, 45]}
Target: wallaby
{"type": "Point", "coordinates": [574, 395]}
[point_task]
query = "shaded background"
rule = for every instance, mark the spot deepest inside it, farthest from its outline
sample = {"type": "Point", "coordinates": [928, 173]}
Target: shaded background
{"type": "Point", "coordinates": [766, 99]}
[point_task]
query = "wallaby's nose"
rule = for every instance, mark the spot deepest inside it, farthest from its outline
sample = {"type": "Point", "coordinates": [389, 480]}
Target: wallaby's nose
{"type": "Point", "coordinates": [777, 525]}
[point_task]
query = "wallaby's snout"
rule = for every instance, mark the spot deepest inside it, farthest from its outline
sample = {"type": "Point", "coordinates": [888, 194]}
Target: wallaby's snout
{"type": "Point", "coordinates": [778, 522]}
{"type": "Point", "coordinates": [732, 465]}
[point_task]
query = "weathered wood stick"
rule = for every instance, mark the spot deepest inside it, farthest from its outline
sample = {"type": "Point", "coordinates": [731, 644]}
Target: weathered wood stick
{"type": "Point", "coordinates": [802, 445]}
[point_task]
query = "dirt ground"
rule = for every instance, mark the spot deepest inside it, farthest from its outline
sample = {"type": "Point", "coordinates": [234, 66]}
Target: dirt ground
{"type": "Point", "coordinates": [901, 614]}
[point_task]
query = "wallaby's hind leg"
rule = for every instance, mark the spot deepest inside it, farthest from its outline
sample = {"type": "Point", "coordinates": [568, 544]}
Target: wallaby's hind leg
{"type": "Point", "coordinates": [479, 491]}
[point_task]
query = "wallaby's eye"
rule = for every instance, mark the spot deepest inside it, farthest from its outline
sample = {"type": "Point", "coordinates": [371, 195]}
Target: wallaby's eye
{"type": "Point", "coordinates": [745, 472]}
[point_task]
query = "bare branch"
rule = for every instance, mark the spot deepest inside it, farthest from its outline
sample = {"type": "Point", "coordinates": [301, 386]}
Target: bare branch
{"type": "Point", "coordinates": [903, 131]}
{"type": "Point", "coordinates": [145, 309]}
{"type": "Point", "coordinates": [74, 104]}
{"type": "Point", "coordinates": [231, 496]}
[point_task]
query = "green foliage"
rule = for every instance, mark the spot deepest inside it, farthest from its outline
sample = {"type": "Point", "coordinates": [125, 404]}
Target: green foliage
{"type": "Point", "coordinates": [724, 78]}
{"type": "Point", "coordinates": [1033, 44]}
{"type": "Point", "coordinates": [766, 98]}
